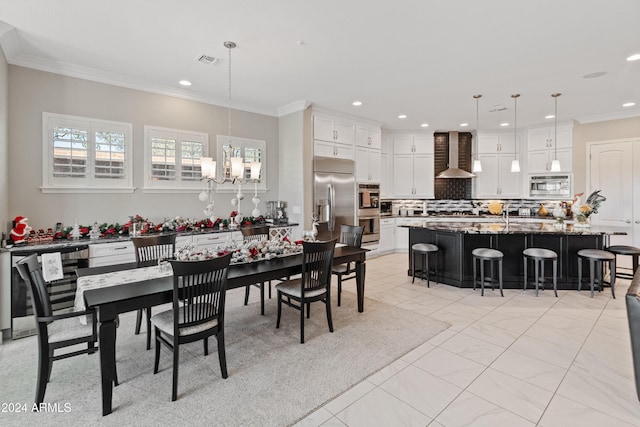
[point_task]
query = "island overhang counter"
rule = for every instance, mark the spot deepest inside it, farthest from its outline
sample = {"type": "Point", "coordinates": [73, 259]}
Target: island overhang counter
{"type": "Point", "coordinates": [456, 240]}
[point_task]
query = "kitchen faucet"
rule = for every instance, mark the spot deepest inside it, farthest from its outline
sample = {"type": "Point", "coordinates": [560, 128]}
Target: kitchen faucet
{"type": "Point", "coordinates": [505, 213]}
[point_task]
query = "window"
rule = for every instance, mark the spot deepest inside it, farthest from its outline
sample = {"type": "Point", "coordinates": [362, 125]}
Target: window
{"type": "Point", "coordinates": [251, 150]}
{"type": "Point", "coordinates": [172, 158]}
{"type": "Point", "coordinates": [82, 154]}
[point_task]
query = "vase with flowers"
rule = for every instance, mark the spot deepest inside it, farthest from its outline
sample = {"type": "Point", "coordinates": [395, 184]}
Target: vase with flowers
{"type": "Point", "coordinates": [583, 211]}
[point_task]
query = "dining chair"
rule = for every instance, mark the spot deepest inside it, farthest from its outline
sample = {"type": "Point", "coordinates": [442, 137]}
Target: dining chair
{"type": "Point", "coordinates": [258, 234]}
{"type": "Point", "coordinates": [199, 289]}
{"type": "Point", "coordinates": [55, 331]}
{"type": "Point", "coordinates": [313, 285]}
{"type": "Point", "coordinates": [149, 250]}
{"type": "Point", "coordinates": [350, 235]}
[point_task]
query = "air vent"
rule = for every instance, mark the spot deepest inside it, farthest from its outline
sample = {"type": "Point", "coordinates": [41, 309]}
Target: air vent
{"type": "Point", "coordinates": [498, 108]}
{"type": "Point", "coordinates": [206, 59]}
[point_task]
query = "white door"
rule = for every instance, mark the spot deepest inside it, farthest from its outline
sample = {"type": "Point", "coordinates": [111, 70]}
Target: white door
{"type": "Point", "coordinates": [403, 175]}
{"type": "Point", "coordinates": [423, 175]}
{"type": "Point", "coordinates": [362, 164]}
{"type": "Point", "coordinates": [509, 182]}
{"type": "Point", "coordinates": [487, 180]}
{"type": "Point", "coordinates": [611, 171]}
{"type": "Point", "coordinates": [323, 129]}
{"type": "Point", "coordinates": [375, 166]}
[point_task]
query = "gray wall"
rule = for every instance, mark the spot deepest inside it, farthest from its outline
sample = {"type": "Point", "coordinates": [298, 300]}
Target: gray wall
{"type": "Point", "coordinates": [291, 158]}
{"type": "Point", "coordinates": [33, 92]}
{"type": "Point", "coordinates": [600, 131]}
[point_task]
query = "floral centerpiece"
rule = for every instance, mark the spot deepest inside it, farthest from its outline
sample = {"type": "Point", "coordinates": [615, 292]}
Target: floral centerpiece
{"type": "Point", "coordinates": [242, 251]}
{"type": "Point", "coordinates": [582, 211]}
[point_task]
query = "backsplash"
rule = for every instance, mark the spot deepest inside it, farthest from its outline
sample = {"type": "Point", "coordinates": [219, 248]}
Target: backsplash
{"type": "Point", "coordinates": [466, 206]}
{"type": "Point", "coordinates": [452, 188]}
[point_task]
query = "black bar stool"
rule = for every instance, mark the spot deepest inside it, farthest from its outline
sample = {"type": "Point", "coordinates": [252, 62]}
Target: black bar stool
{"type": "Point", "coordinates": [491, 255]}
{"type": "Point", "coordinates": [596, 259]}
{"type": "Point", "coordinates": [425, 250]}
{"type": "Point", "coordinates": [626, 250]}
{"type": "Point", "coordinates": [539, 256]}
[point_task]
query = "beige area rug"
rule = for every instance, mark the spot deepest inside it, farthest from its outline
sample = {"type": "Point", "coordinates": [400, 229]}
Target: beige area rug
{"type": "Point", "coordinates": [273, 379]}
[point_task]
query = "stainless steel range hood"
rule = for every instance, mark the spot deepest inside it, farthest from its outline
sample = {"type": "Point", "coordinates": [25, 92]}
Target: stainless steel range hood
{"type": "Point", "coordinates": [453, 171]}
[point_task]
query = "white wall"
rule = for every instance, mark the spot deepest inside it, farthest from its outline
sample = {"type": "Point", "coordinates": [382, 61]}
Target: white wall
{"type": "Point", "coordinates": [32, 92]}
{"type": "Point", "coordinates": [292, 167]}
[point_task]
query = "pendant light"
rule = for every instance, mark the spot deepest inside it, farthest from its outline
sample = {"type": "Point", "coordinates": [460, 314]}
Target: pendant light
{"type": "Point", "coordinates": [515, 163]}
{"type": "Point", "coordinates": [477, 166]}
{"type": "Point", "coordinates": [555, 164]}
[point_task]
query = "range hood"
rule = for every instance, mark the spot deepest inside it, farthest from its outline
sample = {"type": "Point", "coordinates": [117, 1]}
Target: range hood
{"type": "Point", "coordinates": [453, 171]}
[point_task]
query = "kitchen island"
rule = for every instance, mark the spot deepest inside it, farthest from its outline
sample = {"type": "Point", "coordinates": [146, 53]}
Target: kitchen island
{"type": "Point", "coordinates": [456, 240]}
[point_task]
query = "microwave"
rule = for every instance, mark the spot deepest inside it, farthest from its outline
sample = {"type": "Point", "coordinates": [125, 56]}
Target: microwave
{"type": "Point", "coordinates": [550, 186]}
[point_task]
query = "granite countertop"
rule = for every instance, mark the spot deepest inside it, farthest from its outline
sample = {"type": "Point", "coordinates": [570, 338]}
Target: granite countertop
{"type": "Point", "coordinates": [85, 242]}
{"type": "Point", "coordinates": [471, 227]}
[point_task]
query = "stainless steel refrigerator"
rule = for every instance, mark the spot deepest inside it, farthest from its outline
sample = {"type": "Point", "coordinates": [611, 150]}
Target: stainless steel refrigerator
{"type": "Point", "coordinates": [334, 195]}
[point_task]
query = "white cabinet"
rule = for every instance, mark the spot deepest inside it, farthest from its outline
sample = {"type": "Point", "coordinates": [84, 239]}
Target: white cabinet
{"type": "Point", "coordinates": [539, 161]}
{"type": "Point", "coordinates": [111, 253]}
{"type": "Point", "coordinates": [497, 143]}
{"type": "Point", "coordinates": [542, 149]}
{"type": "Point", "coordinates": [496, 178]}
{"type": "Point", "coordinates": [334, 129]}
{"type": "Point", "coordinates": [386, 175]}
{"type": "Point", "coordinates": [413, 169]}
{"type": "Point", "coordinates": [387, 235]}
{"type": "Point", "coordinates": [368, 136]}
{"type": "Point", "coordinates": [413, 175]}
{"type": "Point", "coordinates": [210, 240]}
{"type": "Point", "coordinates": [333, 137]}
{"type": "Point", "coordinates": [368, 165]}
{"type": "Point", "coordinates": [329, 149]}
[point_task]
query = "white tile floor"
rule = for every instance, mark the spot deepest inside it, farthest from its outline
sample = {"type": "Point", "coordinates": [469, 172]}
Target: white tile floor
{"type": "Point", "coordinates": [512, 361]}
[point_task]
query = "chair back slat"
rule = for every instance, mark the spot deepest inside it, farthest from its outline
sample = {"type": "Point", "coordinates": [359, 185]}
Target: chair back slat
{"type": "Point", "coordinates": [29, 269]}
{"type": "Point", "coordinates": [152, 248]}
{"type": "Point", "coordinates": [351, 235]}
{"type": "Point", "coordinates": [317, 260]}
{"type": "Point", "coordinates": [199, 289]}
{"type": "Point", "coordinates": [255, 233]}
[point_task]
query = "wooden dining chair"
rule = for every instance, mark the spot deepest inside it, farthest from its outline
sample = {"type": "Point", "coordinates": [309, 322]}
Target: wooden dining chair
{"type": "Point", "coordinates": [313, 285]}
{"type": "Point", "coordinates": [149, 250]}
{"type": "Point", "coordinates": [256, 234]}
{"type": "Point", "coordinates": [350, 235]}
{"type": "Point", "coordinates": [199, 289]}
{"type": "Point", "coordinates": [55, 331]}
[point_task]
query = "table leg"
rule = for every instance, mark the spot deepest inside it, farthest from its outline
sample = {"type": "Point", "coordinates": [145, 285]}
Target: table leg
{"type": "Point", "coordinates": [360, 275]}
{"type": "Point", "coordinates": [107, 362]}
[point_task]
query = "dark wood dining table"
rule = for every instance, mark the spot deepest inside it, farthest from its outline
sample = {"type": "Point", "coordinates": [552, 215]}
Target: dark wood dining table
{"type": "Point", "coordinates": [113, 300]}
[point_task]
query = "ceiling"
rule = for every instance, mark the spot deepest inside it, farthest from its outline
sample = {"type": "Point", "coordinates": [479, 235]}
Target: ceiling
{"type": "Point", "coordinates": [425, 59]}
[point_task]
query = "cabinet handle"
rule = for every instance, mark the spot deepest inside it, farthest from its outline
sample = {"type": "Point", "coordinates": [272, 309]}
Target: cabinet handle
{"type": "Point", "coordinates": [637, 221]}
{"type": "Point", "coordinates": [120, 248]}
{"type": "Point", "coordinates": [628, 221]}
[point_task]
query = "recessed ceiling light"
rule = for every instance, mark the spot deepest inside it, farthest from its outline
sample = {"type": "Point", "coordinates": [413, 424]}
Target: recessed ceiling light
{"type": "Point", "coordinates": [464, 124]}
{"type": "Point", "coordinates": [185, 82]}
{"type": "Point", "coordinates": [594, 75]}
{"type": "Point", "coordinates": [628, 104]}
{"type": "Point", "coordinates": [424, 125]}
{"type": "Point", "coordinates": [504, 124]}
{"type": "Point", "coordinates": [634, 57]}
{"type": "Point", "coordinates": [356, 103]}
{"type": "Point", "coordinates": [550, 116]}
{"type": "Point", "coordinates": [402, 116]}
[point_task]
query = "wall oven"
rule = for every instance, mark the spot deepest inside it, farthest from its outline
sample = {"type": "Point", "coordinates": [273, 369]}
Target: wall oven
{"type": "Point", "coordinates": [368, 217]}
{"type": "Point", "coordinates": [550, 186]}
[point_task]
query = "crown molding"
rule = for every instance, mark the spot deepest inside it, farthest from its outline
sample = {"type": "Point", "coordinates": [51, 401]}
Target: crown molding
{"type": "Point", "coordinates": [9, 42]}
{"type": "Point", "coordinates": [617, 115]}
{"type": "Point", "coordinates": [293, 107]}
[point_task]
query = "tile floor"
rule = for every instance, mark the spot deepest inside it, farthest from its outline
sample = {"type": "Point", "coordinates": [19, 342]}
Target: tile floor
{"type": "Point", "coordinates": [512, 361]}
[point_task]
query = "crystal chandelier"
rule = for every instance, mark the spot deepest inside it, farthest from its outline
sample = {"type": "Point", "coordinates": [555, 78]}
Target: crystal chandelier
{"type": "Point", "coordinates": [236, 167]}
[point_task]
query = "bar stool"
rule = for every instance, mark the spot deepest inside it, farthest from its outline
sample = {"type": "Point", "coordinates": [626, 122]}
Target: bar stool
{"type": "Point", "coordinates": [626, 250]}
{"type": "Point", "coordinates": [596, 259]}
{"type": "Point", "coordinates": [425, 250]}
{"type": "Point", "coordinates": [539, 256]}
{"type": "Point", "coordinates": [490, 255]}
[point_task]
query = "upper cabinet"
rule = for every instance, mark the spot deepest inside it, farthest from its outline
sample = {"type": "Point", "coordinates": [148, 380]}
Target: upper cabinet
{"type": "Point", "coordinates": [333, 137]}
{"type": "Point", "coordinates": [543, 148]}
{"type": "Point", "coordinates": [368, 136]}
{"type": "Point", "coordinates": [413, 167]}
{"type": "Point", "coordinates": [413, 144]}
{"type": "Point", "coordinates": [497, 143]}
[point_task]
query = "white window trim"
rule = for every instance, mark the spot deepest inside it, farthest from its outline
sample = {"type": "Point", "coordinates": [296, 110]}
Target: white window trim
{"type": "Point", "coordinates": [228, 187]}
{"type": "Point", "coordinates": [177, 186]}
{"type": "Point", "coordinates": [53, 185]}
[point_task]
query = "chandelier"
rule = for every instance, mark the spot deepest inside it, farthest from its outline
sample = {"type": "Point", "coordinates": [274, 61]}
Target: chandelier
{"type": "Point", "coordinates": [237, 168]}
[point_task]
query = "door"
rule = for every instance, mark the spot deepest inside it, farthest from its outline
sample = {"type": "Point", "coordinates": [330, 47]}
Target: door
{"type": "Point", "coordinates": [423, 175]}
{"type": "Point", "coordinates": [611, 171]}
{"type": "Point", "coordinates": [509, 182]}
{"type": "Point", "coordinates": [403, 175]}
{"type": "Point", "coordinates": [487, 180]}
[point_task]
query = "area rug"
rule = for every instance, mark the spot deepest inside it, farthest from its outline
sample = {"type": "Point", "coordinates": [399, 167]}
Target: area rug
{"type": "Point", "coordinates": [273, 379]}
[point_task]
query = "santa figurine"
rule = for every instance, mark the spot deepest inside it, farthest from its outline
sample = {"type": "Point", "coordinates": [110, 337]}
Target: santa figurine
{"type": "Point", "coordinates": [21, 230]}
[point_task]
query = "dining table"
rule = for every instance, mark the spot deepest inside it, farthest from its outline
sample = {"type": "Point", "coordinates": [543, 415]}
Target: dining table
{"type": "Point", "coordinates": [109, 298]}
